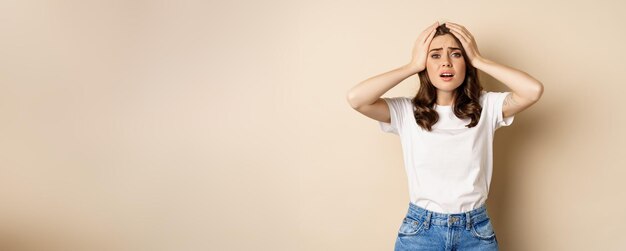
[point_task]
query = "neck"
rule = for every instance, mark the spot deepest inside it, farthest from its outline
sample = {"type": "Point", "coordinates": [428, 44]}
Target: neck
{"type": "Point", "coordinates": [445, 98]}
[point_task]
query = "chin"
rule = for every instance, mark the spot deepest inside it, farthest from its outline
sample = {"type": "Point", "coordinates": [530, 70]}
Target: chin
{"type": "Point", "coordinates": [447, 86]}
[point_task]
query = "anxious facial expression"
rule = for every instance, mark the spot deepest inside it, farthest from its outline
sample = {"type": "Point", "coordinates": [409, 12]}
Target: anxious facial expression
{"type": "Point", "coordinates": [445, 63]}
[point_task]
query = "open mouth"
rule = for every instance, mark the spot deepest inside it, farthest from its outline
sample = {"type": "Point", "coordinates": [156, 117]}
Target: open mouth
{"type": "Point", "coordinates": [446, 76]}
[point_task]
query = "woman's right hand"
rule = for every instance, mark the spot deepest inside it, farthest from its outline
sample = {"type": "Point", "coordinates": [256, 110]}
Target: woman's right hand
{"type": "Point", "coordinates": [420, 49]}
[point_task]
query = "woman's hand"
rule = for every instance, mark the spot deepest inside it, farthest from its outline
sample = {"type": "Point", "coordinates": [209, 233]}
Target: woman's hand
{"type": "Point", "coordinates": [525, 89]}
{"type": "Point", "coordinates": [420, 49]}
{"type": "Point", "coordinates": [467, 40]}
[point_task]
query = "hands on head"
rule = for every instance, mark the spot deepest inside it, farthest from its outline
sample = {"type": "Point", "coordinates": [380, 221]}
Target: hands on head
{"type": "Point", "coordinates": [467, 40]}
{"type": "Point", "coordinates": [420, 49]}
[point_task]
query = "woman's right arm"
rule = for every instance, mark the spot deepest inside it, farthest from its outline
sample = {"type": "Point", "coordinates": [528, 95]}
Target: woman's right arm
{"type": "Point", "coordinates": [365, 96]}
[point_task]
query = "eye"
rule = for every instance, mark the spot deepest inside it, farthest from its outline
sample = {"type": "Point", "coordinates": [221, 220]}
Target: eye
{"type": "Point", "coordinates": [434, 55]}
{"type": "Point", "coordinates": [457, 54]}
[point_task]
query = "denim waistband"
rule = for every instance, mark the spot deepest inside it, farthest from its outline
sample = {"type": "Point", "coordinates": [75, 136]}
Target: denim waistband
{"type": "Point", "coordinates": [458, 219]}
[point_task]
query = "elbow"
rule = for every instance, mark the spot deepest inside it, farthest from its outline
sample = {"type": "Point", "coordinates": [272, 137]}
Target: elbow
{"type": "Point", "coordinates": [532, 94]}
{"type": "Point", "coordinates": [355, 100]}
{"type": "Point", "coordinates": [537, 92]}
{"type": "Point", "coordinates": [350, 100]}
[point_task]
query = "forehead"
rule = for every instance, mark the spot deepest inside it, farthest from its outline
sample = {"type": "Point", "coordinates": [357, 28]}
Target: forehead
{"type": "Point", "coordinates": [443, 41]}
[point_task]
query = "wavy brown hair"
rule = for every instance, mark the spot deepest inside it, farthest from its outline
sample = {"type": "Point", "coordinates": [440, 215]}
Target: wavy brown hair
{"type": "Point", "coordinates": [467, 95]}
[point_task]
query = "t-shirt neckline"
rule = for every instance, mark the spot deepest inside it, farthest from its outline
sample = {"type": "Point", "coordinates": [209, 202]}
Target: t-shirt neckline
{"type": "Point", "coordinates": [443, 107]}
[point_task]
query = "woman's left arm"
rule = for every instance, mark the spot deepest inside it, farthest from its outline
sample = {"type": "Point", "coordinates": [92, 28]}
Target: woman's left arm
{"type": "Point", "coordinates": [525, 90]}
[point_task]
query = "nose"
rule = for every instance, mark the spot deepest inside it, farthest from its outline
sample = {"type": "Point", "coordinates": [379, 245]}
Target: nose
{"type": "Point", "coordinates": [446, 62]}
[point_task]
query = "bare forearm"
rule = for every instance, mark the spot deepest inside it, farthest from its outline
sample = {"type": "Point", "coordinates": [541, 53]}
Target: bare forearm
{"type": "Point", "coordinates": [518, 81]}
{"type": "Point", "coordinates": [369, 90]}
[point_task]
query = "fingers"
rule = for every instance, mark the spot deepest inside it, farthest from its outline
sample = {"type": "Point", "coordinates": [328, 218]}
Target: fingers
{"type": "Point", "coordinates": [432, 26]}
{"type": "Point", "coordinates": [460, 31]}
{"type": "Point", "coordinates": [420, 48]}
{"type": "Point", "coordinates": [461, 37]}
{"type": "Point", "coordinates": [428, 32]}
{"type": "Point", "coordinates": [466, 39]}
{"type": "Point", "coordinates": [457, 27]}
{"type": "Point", "coordinates": [430, 37]}
{"type": "Point", "coordinates": [457, 30]}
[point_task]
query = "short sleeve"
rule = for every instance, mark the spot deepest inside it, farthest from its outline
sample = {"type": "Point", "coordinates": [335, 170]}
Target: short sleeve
{"type": "Point", "coordinates": [399, 108]}
{"type": "Point", "coordinates": [494, 102]}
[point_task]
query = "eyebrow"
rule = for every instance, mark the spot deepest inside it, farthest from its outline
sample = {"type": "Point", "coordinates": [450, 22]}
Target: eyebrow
{"type": "Point", "coordinates": [438, 49]}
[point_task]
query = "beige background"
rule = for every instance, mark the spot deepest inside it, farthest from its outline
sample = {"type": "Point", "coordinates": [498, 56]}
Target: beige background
{"type": "Point", "coordinates": [205, 125]}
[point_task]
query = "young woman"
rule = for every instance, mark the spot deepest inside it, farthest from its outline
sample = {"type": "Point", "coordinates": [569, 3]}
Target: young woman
{"type": "Point", "coordinates": [446, 132]}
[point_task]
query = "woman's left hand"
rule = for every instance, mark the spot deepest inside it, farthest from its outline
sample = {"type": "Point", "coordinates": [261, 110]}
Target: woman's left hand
{"type": "Point", "coordinates": [467, 40]}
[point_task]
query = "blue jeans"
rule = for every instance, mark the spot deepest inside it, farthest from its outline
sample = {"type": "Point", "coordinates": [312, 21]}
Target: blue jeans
{"type": "Point", "coordinates": [422, 229]}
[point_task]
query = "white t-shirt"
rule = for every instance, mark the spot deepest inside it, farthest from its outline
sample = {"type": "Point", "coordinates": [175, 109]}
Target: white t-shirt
{"type": "Point", "coordinates": [448, 169]}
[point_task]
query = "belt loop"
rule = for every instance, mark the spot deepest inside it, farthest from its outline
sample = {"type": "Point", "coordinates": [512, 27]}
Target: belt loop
{"type": "Point", "coordinates": [427, 223]}
{"type": "Point", "coordinates": [468, 220]}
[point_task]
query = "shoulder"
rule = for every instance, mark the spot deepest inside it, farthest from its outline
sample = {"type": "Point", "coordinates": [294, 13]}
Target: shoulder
{"type": "Point", "coordinates": [492, 103]}
{"type": "Point", "coordinates": [400, 102]}
{"type": "Point", "coordinates": [490, 98]}
{"type": "Point", "coordinates": [399, 99]}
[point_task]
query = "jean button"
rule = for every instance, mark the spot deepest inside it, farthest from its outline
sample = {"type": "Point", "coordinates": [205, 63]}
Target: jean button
{"type": "Point", "coordinates": [453, 220]}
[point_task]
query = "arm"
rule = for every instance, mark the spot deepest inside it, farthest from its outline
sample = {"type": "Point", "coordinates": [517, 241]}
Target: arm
{"type": "Point", "coordinates": [369, 91]}
{"type": "Point", "coordinates": [525, 90]}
